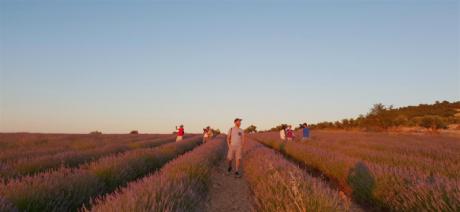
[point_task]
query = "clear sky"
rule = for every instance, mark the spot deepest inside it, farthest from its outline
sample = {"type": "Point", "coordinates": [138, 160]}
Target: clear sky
{"type": "Point", "coordinates": [77, 66]}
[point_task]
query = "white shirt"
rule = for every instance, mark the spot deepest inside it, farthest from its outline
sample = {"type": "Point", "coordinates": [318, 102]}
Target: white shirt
{"type": "Point", "coordinates": [282, 135]}
{"type": "Point", "coordinates": [236, 136]}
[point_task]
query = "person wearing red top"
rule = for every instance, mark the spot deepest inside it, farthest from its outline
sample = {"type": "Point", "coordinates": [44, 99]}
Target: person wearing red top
{"type": "Point", "coordinates": [180, 133]}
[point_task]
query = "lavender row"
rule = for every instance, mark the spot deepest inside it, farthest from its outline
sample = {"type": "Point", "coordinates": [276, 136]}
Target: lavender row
{"type": "Point", "coordinates": [385, 187]}
{"type": "Point", "coordinates": [47, 145]}
{"type": "Point", "coordinates": [436, 147]}
{"type": "Point", "coordinates": [35, 165]}
{"type": "Point", "coordinates": [278, 185]}
{"type": "Point", "coordinates": [180, 186]}
{"type": "Point", "coordinates": [66, 189]}
{"type": "Point", "coordinates": [378, 152]}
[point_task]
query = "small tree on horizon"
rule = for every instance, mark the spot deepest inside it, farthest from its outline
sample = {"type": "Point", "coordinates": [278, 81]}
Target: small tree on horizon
{"type": "Point", "coordinates": [278, 128]}
{"type": "Point", "coordinates": [96, 133]}
{"type": "Point", "coordinates": [251, 129]}
{"type": "Point", "coordinates": [215, 131]}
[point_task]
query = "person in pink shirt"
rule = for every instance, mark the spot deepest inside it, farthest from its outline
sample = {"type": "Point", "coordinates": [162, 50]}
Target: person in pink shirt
{"type": "Point", "coordinates": [290, 134]}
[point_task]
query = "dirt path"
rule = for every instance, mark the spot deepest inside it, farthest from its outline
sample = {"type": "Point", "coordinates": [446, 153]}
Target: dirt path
{"type": "Point", "coordinates": [228, 193]}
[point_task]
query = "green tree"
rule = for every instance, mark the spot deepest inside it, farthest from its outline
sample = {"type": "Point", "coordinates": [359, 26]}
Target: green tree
{"type": "Point", "coordinates": [278, 128]}
{"type": "Point", "coordinates": [400, 120]}
{"type": "Point", "coordinates": [377, 109]}
{"type": "Point", "coordinates": [433, 122]}
{"type": "Point", "coordinates": [251, 129]}
{"type": "Point", "coordinates": [215, 131]}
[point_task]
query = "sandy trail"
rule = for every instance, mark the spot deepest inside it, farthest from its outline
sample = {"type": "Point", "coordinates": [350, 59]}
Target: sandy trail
{"type": "Point", "coordinates": [227, 192]}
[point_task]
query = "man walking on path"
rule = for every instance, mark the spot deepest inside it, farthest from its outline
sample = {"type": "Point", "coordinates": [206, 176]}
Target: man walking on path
{"type": "Point", "coordinates": [305, 132]}
{"type": "Point", "coordinates": [235, 141]}
{"type": "Point", "coordinates": [180, 133]}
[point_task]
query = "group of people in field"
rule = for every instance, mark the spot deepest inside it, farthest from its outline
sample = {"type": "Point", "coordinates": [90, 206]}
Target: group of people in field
{"type": "Point", "coordinates": [288, 134]}
{"type": "Point", "coordinates": [235, 143]}
{"type": "Point", "coordinates": [208, 133]}
{"type": "Point", "coordinates": [236, 140]}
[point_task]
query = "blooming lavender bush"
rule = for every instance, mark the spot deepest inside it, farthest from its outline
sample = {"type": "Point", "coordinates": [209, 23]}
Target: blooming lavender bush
{"type": "Point", "coordinates": [180, 186]}
{"type": "Point", "coordinates": [67, 189]}
{"type": "Point", "coordinates": [278, 185]}
{"type": "Point", "coordinates": [6, 206]}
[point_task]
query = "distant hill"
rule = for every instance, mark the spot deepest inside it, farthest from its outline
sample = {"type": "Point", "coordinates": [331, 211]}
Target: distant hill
{"type": "Point", "coordinates": [432, 116]}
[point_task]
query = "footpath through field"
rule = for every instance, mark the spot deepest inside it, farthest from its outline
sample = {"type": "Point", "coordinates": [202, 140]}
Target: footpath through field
{"type": "Point", "coordinates": [227, 193]}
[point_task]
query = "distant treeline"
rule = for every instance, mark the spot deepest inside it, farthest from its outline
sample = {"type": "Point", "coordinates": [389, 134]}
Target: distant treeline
{"type": "Point", "coordinates": [380, 117]}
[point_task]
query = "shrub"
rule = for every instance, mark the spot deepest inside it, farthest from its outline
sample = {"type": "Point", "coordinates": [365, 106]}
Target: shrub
{"type": "Point", "coordinates": [251, 129]}
{"type": "Point", "coordinates": [432, 122]}
{"type": "Point", "coordinates": [278, 128]}
{"type": "Point", "coordinates": [381, 117]}
{"type": "Point", "coordinates": [216, 132]}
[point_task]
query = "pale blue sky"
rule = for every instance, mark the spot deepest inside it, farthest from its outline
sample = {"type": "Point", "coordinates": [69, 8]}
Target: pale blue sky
{"type": "Point", "coordinates": [114, 66]}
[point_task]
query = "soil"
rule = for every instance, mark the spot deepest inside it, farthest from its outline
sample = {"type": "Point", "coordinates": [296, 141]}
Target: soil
{"type": "Point", "coordinates": [228, 193]}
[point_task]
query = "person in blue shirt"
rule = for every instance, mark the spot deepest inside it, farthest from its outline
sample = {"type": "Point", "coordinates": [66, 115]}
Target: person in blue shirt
{"type": "Point", "coordinates": [305, 132]}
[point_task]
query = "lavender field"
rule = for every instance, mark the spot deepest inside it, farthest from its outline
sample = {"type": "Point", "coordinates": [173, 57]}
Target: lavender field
{"type": "Point", "coordinates": [67, 188]}
{"type": "Point", "coordinates": [389, 172]}
{"type": "Point", "coordinates": [334, 171]}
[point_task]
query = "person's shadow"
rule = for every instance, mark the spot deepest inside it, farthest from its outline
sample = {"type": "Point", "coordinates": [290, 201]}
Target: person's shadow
{"type": "Point", "coordinates": [361, 182]}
